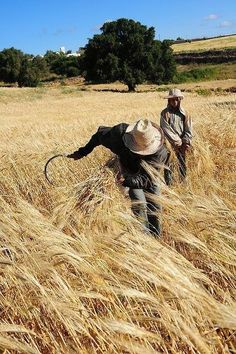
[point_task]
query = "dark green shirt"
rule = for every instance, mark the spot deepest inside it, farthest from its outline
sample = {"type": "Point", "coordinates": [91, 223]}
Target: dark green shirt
{"type": "Point", "coordinates": [112, 138]}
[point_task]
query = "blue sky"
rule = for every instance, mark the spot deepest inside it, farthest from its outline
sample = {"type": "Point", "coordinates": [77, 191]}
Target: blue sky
{"type": "Point", "coordinates": [34, 26]}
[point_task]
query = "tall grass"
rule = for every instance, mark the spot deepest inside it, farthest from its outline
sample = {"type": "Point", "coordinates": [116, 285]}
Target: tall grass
{"type": "Point", "coordinates": [77, 273]}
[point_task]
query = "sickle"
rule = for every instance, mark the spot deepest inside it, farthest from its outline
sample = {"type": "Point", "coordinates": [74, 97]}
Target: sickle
{"type": "Point", "coordinates": [47, 163]}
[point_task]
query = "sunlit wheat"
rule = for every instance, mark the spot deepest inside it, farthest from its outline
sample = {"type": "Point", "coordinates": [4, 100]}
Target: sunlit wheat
{"type": "Point", "coordinates": [77, 275]}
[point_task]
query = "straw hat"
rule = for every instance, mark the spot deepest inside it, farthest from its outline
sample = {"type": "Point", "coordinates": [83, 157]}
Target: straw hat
{"type": "Point", "coordinates": [143, 137]}
{"type": "Point", "coordinates": [175, 93]}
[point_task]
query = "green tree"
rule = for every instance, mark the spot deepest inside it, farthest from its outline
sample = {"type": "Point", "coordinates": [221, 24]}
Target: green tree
{"type": "Point", "coordinates": [126, 51]}
{"type": "Point", "coordinates": [50, 57]}
{"type": "Point", "coordinates": [25, 69]}
{"type": "Point", "coordinates": [167, 61]}
{"type": "Point", "coordinates": [32, 71]}
{"type": "Point", "coordinates": [10, 64]}
{"type": "Point", "coordinates": [61, 64]}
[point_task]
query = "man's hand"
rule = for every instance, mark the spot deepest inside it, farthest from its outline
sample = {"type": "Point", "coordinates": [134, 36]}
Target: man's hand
{"type": "Point", "coordinates": [119, 178]}
{"type": "Point", "coordinates": [75, 155]}
{"type": "Point", "coordinates": [184, 147]}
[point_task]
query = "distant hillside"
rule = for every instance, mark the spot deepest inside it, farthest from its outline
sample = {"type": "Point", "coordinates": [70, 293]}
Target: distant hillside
{"type": "Point", "coordinates": [205, 44]}
{"type": "Point", "coordinates": [208, 56]}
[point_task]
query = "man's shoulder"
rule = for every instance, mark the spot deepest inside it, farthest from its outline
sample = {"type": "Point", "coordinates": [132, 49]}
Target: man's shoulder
{"type": "Point", "coordinates": [116, 129]}
{"type": "Point", "coordinates": [165, 114]}
{"type": "Point", "coordinates": [184, 112]}
{"type": "Point", "coordinates": [120, 128]}
{"type": "Point", "coordinates": [165, 111]}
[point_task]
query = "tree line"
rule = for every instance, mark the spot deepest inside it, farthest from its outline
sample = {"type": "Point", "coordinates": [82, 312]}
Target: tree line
{"type": "Point", "coordinates": [125, 50]}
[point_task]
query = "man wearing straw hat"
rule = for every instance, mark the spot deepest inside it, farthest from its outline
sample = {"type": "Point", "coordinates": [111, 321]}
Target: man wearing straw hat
{"type": "Point", "coordinates": [177, 127]}
{"type": "Point", "coordinates": [135, 144]}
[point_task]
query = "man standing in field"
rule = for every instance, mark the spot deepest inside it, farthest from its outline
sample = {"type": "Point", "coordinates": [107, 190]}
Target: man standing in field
{"type": "Point", "coordinates": [177, 127]}
{"type": "Point", "coordinates": [134, 144]}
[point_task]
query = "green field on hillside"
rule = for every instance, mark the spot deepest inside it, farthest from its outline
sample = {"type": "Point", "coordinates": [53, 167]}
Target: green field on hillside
{"type": "Point", "coordinates": [205, 72]}
{"type": "Point", "coordinates": [206, 44]}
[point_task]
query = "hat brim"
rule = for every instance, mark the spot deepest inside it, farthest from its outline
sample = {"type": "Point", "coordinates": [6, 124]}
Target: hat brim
{"type": "Point", "coordinates": [151, 149]}
{"type": "Point", "coordinates": [175, 97]}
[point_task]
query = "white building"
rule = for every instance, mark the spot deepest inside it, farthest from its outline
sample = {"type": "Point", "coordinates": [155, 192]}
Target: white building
{"type": "Point", "coordinates": [70, 53]}
{"type": "Point", "coordinates": [62, 50]}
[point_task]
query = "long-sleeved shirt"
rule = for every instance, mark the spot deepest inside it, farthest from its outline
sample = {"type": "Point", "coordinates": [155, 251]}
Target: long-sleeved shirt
{"type": "Point", "coordinates": [112, 138]}
{"type": "Point", "coordinates": [176, 125]}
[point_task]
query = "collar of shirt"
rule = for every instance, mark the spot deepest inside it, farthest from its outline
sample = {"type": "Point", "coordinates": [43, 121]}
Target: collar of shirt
{"type": "Point", "coordinates": [179, 109]}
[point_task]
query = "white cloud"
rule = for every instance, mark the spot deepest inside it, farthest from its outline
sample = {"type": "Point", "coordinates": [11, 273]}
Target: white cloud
{"type": "Point", "coordinates": [211, 17]}
{"type": "Point", "coordinates": [225, 24]}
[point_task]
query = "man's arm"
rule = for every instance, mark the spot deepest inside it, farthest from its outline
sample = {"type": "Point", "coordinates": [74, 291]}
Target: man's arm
{"type": "Point", "coordinates": [142, 179]}
{"type": "Point", "coordinates": [187, 137]}
{"type": "Point", "coordinates": [137, 181]}
{"type": "Point", "coordinates": [85, 150]}
{"type": "Point", "coordinates": [169, 132]}
{"type": "Point", "coordinates": [109, 137]}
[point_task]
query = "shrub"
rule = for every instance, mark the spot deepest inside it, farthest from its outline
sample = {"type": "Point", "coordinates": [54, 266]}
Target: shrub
{"type": "Point", "coordinates": [10, 64]}
{"type": "Point", "coordinates": [60, 64]}
{"type": "Point", "coordinates": [200, 74]}
{"type": "Point", "coordinates": [32, 71]}
{"type": "Point", "coordinates": [204, 92]}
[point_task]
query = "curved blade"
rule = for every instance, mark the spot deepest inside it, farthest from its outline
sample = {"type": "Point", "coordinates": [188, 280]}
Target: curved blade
{"type": "Point", "coordinates": [46, 166]}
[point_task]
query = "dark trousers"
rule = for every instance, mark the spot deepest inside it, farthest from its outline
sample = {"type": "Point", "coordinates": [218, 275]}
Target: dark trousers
{"type": "Point", "coordinates": [168, 173]}
{"type": "Point", "coordinates": [146, 209]}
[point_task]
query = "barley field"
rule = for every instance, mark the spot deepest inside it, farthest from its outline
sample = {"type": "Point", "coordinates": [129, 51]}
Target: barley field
{"type": "Point", "coordinates": [206, 44]}
{"type": "Point", "coordinates": [77, 274]}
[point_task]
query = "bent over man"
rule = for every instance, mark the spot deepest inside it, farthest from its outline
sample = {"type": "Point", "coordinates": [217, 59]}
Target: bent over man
{"type": "Point", "coordinates": [134, 143]}
{"type": "Point", "coordinates": [177, 127]}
